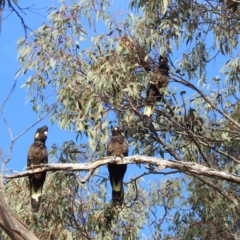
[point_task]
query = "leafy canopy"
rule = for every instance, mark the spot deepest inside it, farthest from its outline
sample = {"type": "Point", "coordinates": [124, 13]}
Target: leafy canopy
{"type": "Point", "coordinates": [90, 66]}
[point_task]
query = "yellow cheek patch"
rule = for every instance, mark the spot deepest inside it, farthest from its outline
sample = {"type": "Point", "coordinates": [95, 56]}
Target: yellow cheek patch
{"type": "Point", "coordinates": [37, 134]}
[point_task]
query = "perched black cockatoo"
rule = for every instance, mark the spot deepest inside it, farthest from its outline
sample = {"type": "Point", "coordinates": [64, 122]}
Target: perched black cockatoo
{"type": "Point", "coordinates": [158, 82]}
{"type": "Point", "coordinates": [117, 147]}
{"type": "Point", "coordinates": [193, 121]}
{"type": "Point", "coordinates": [232, 5]}
{"type": "Point", "coordinates": [37, 155]}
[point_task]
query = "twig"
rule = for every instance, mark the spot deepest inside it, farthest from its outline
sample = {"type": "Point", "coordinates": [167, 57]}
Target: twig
{"type": "Point", "coordinates": [9, 94]}
{"type": "Point", "coordinates": [136, 195]}
{"type": "Point", "coordinates": [21, 18]}
{"type": "Point", "coordinates": [220, 190]}
{"type": "Point", "coordinates": [188, 84]}
{"type": "Point", "coordinates": [87, 177]}
{"type": "Point", "coordinates": [19, 135]}
{"type": "Point", "coordinates": [163, 143]}
{"type": "Point", "coordinates": [2, 170]}
{"type": "Point", "coordinates": [150, 172]}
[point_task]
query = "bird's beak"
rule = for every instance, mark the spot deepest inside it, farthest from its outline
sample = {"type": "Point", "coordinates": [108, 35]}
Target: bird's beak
{"type": "Point", "coordinates": [45, 133]}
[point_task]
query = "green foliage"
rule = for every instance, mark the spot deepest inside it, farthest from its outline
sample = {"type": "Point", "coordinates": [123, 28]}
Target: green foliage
{"type": "Point", "coordinates": [94, 70]}
{"type": "Point", "coordinates": [77, 211]}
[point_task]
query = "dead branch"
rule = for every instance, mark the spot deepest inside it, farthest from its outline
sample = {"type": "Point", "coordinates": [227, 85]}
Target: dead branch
{"type": "Point", "coordinates": [160, 163]}
{"type": "Point", "coordinates": [9, 222]}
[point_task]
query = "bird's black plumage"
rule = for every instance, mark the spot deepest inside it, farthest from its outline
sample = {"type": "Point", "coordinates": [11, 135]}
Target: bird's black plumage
{"type": "Point", "coordinates": [230, 4]}
{"type": "Point", "coordinates": [37, 155]}
{"type": "Point", "coordinates": [158, 82]}
{"type": "Point", "coordinates": [117, 147]}
{"type": "Point", "coordinates": [193, 121]}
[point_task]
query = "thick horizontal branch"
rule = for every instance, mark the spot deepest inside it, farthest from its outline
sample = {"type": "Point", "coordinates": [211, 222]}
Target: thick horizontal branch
{"type": "Point", "coordinates": [160, 163]}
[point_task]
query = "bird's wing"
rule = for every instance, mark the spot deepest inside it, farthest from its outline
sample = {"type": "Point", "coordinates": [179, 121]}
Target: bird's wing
{"type": "Point", "coordinates": [110, 147]}
{"type": "Point", "coordinates": [30, 156]}
{"type": "Point", "coordinates": [45, 156]}
{"type": "Point", "coordinates": [152, 93]}
{"type": "Point", "coordinates": [125, 148]}
{"type": "Point", "coordinates": [162, 80]}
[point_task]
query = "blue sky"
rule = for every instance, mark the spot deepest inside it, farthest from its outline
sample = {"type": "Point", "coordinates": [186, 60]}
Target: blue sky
{"type": "Point", "coordinates": [18, 113]}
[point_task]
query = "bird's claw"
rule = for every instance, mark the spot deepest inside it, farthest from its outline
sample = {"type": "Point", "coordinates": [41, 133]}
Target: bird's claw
{"type": "Point", "coordinates": [31, 166]}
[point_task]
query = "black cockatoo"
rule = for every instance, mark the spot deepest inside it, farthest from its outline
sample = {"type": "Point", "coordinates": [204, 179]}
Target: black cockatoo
{"type": "Point", "coordinates": [193, 121]}
{"type": "Point", "coordinates": [37, 155]}
{"type": "Point", "coordinates": [117, 147]}
{"type": "Point", "coordinates": [232, 5]}
{"type": "Point", "coordinates": [158, 82]}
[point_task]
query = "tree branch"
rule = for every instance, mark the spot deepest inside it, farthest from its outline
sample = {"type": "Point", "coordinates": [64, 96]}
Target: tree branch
{"type": "Point", "coordinates": [21, 18]}
{"type": "Point", "coordinates": [220, 190]}
{"type": "Point", "coordinates": [161, 163]}
{"type": "Point", "coordinates": [9, 222]}
{"type": "Point", "coordinates": [207, 100]}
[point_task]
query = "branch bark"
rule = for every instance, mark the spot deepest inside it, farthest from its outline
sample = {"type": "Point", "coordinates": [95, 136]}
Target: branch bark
{"type": "Point", "coordinates": [9, 222]}
{"type": "Point", "coordinates": [160, 163]}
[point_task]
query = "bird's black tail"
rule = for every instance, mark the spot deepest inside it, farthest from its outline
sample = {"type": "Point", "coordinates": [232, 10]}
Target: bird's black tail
{"type": "Point", "coordinates": [36, 186]}
{"type": "Point", "coordinates": [149, 110]}
{"type": "Point", "coordinates": [116, 178]}
{"type": "Point", "coordinates": [118, 196]}
{"type": "Point", "coordinates": [147, 114]}
{"type": "Point", "coordinates": [153, 95]}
